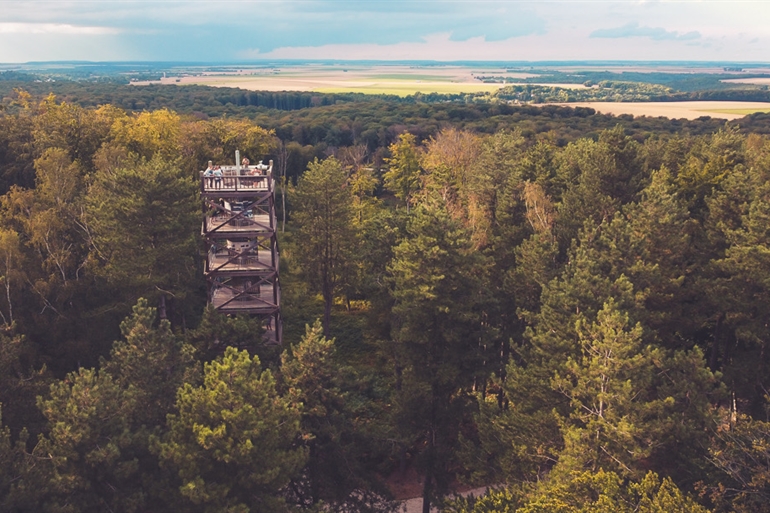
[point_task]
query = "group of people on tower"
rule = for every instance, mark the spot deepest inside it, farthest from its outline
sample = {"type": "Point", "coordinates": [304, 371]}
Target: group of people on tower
{"type": "Point", "coordinates": [213, 174]}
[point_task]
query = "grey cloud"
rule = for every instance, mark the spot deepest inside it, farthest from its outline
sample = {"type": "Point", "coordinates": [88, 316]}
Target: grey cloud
{"type": "Point", "coordinates": [634, 30]}
{"type": "Point", "coordinates": [384, 23]}
{"type": "Point", "coordinates": [194, 29]}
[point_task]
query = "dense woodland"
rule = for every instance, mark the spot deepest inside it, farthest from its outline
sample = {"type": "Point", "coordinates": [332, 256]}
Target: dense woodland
{"type": "Point", "coordinates": [314, 124]}
{"type": "Point", "coordinates": [569, 307]}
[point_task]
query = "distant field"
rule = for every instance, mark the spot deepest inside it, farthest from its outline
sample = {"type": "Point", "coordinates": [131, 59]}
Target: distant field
{"type": "Point", "coordinates": [410, 77]}
{"type": "Point", "coordinates": [676, 110]}
{"type": "Point", "coordinates": [551, 84]}
{"type": "Point", "coordinates": [398, 80]}
{"type": "Point", "coordinates": [407, 87]}
{"type": "Point", "coordinates": [755, 81]}
{"type": "Point", "coordinates": [404, 80]}
{"type": "Point", "coordinates": [741, 112]}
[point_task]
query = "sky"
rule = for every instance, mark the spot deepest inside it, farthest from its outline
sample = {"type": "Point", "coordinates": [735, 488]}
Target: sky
{"type": "Point", "coordinates": [441, 30]}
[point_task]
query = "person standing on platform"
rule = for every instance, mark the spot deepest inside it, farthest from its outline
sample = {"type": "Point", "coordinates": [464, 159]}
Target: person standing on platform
{"type": "Point", "coordinates": [209, 175]}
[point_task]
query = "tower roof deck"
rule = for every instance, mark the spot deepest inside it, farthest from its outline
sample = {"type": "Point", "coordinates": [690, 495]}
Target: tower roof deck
{"type": "Point", "coordinates": [243, 179]}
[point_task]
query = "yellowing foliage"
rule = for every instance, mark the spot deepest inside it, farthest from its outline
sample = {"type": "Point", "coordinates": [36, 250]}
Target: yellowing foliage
{"type": "Point", "coordinates": [149, 133]}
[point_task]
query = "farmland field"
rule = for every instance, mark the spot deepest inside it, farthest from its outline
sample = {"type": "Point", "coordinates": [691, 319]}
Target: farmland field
{"type": "Point", "coordinates": [755, 81]}
{"type": "Point", "coordinates": [675, 110]}
{"type": "Point", "coordinates": [741, 112]}
{"type": "Point", "coordinates": [398, 80]}
{"type": "Point", "coordinates": [408, 87]}
{"type": "Point", "coordinates": [404, 80]}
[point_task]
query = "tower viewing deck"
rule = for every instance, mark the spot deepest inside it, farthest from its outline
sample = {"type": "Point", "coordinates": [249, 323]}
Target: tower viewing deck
{"type": "Point", "coordinates": [239, 226]}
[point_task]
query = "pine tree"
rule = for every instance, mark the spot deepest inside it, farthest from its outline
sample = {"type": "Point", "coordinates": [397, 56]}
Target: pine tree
{"type": "Point", "coordinates": [324, 227]}
{"type": "Point", "coordinates": [232, 440]}
{"type": "Point", "coordinates": [403, 174]}
{"type": "Point", "coordinates": [319, 385]}
{"type": "Point", "coordinates": [439, 284]}
{"type": "Point", "coordinates": [142, 217]}
{"type": "Point", "coordinates": [622, 409]}
{"type": "Point", "coordinates": [152, 362]}
{"type": "Point", "coordinates": [89, 445]}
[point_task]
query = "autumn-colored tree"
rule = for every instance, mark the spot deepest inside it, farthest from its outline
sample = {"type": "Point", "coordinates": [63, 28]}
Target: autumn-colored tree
{"type": "Point", "coordinates": [149, 134]}
{"type": "Point", "coordinates": [451, 161]}
{"type": "Point", "coordinates": [223, 136]}
{"type": "Point", "coordinates": [11, 271]}
{"type": "Point", "coordinates": [72, 128]}
{"type": "Point", "coordinates": [741, 450]}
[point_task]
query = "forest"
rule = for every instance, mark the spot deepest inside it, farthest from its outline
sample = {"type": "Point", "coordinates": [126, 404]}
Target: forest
{"type": "Point", "coordinates": [314, 124]}
{"type": "Point", "coordinates": [568, 308]}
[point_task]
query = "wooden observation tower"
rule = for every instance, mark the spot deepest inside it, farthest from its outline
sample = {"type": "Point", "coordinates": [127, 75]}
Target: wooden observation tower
{"type": "Point", "coordinates": [242, 249]}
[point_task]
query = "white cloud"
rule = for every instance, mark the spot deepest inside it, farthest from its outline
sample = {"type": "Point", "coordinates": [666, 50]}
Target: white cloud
{"type": "Point", "coordinates": [571, 44]}
{"type": "Point", "coordinates": [54, 28]}
{"type": "Point", "coordinates": [633, 29]}
{"type": "Point", "coordinates": [433, 47]}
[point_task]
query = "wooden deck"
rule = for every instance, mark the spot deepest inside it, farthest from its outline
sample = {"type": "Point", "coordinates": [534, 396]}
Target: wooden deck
{"type": "Point", "coordinates": [262, 302]}
{"type": "Point", "coordinates": [231, 224]}
{"type": "Point", "coordinates": [239, 179]}
{"type": "Point", "coordinates": [260, 262]}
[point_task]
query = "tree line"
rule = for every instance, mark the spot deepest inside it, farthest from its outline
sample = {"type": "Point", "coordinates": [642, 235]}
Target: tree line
{"type": "Point", "coordinates": [581, 323]}
{"type": "Point", "coordinates": [334, 120]}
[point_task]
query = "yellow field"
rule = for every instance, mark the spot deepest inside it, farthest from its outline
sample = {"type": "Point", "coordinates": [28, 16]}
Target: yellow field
{"type": "Point", "coordinates": [755, 81]}
{"type": "Point", "coordinates": [677, 110]}
{"type": "Point", "coordinates": [406, 88]}
{"type": "Point", "coordinates": [385, 79]}
{"type": "Point", "coordinates": [741, 112]}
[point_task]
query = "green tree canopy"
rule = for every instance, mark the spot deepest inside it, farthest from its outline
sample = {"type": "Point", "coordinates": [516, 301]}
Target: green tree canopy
{"type": "Point", "coordinates": [325, 236]}
{"type": "Point", "coordinates": [403, 175]}
{"type": "Point", "coordinates": [233, 438]}
{"type": "Point", "coordinates": [142, 217]}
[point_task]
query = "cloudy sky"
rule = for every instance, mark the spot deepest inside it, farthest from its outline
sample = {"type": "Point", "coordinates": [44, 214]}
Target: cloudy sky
{"type": "Point", "coordinates": [245, 30]}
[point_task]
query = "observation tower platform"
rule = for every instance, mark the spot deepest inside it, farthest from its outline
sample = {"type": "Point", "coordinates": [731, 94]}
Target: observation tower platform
{"type": "Point", "coordinates": [239, 226]}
